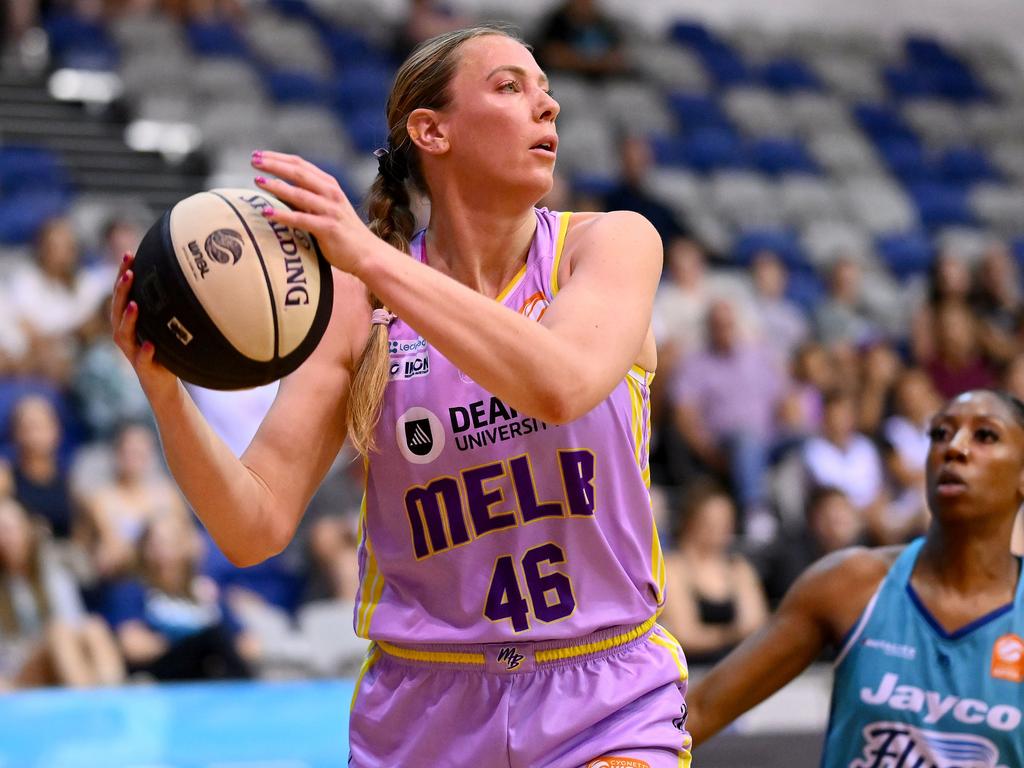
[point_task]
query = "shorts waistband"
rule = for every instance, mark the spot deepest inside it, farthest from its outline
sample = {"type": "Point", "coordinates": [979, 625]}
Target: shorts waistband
{"type": "Point", "coordinates": [518, 657]}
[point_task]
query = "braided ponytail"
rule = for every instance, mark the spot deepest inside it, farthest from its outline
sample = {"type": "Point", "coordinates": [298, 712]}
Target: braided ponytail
{"type": "Point", "coordinates": [422, 82]}
{"type": "Point", "coordinates": [392, 220]}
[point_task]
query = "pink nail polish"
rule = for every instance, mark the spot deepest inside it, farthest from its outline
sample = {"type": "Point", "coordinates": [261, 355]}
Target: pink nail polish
{"type": "Point", "coordinates": [268, 211]}
{"type": "Point", "coordinates": [257, 157]}
{"type": "Point", "coordinates": [261, 180]}
{"type": "Point", "coordinates": [126, 258]}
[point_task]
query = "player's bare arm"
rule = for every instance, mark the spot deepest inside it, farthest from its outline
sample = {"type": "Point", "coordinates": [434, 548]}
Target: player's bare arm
{"type": "Point", "coordinates": [818, 611]}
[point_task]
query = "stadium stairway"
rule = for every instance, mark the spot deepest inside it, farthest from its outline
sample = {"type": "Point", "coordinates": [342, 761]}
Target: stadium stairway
{"type": "Point", "coordinates": [92, 148]}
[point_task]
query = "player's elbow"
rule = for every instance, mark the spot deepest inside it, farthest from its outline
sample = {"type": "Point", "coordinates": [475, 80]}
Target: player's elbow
{"type": "Point", "coordinates": [259, 545]}
{"type": "Point", "coordinates": [561, 402]}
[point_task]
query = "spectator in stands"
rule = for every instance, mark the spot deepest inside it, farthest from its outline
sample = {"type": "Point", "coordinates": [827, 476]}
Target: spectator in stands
{"type": "Point", "coordinates": [844, 458]}
{"type": "Point", "coordinates": [119, 236]}
{"type": "Point", "coordinates": [118, 511]}
{"type": "Point", "coordinates": [423, 20]}
{"type": "Point", "coordinates": [52, 300]}
{"type": "Point", "coordinates": [713, 596]}
{"type": "Point", "coordinates": [726, 400]}
{"type": "Point", "coordinates": [170, 622]}
{"type": "Point", "coordinates": [578, 38]}
{"type": "Point", "coordinates": [812, 375]}
{"type": "Point", "coordinates": [105, 386]}
{"type": "Point", "coordinates": [681, 304]}
{"type": "Point", "coordinates": [949, 282]}
{"type": "Point", "coordinates": [832, 523]}
{"type": "Point", "coordinates": [958, 364]}
{"type": "Point", "coordinates": [996, 302]}
{"type": "Point", "coordinates": [630, 194]}
{"type": "Point", "coordinates": [840, 319]}
{"type": "Point", "coordinates": [905, 443]}
{"type": "Point", "coordinates": [783, 326]}
{"type": "Point", "coordinates": [880, 367]}
{"type": "Point", "coordinates": [46, 638]}
{"type": "Point", "coordinates": [40, 475]}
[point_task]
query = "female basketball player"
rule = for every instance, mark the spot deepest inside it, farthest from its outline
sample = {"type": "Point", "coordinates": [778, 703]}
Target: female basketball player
{"type": "Point", "coordinates": [510, 566]}
{"type": "Point", "coordinates": [930, 671]}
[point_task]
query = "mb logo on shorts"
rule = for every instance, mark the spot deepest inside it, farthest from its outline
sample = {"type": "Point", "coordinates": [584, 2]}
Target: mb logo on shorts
{"type": "Point", "coordinates": [510, 656]}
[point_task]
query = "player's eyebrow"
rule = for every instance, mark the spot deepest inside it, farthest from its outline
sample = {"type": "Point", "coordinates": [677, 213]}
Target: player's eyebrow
{"type": "Point", "coordinates": [516, 70]}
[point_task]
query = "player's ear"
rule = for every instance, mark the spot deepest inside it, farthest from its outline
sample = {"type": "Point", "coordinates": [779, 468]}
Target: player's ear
{"type": "Point", "coordinates": [426, 131]}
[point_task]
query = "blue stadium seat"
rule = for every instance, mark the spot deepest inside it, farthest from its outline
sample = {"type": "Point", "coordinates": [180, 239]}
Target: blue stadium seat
{"type": "Point", "coordinates": [361, 88]}
{"type": "Point", "coordinates": [691, 33]}
{"type": "Point", "coordinates": [593, 185]}
{"type": "Point", "coordinates": [879, 120]}
{"type": "Point", "coordinates": [788, 75]}
{"type": "Point", "coordinates": [909, 83]}
{"type": "Point", "coordinates": [668, 149]}
{"type": "Point", "coordinates": [906, 254]}
{"type": "Point", "coordinates": [941, 204]}
{"type": "Point", "coordinates": [697, 110]}
{"type": "Point", "coordinates": [906, 159]}
{"type": "Point", "coordinates": [806, 289]}
{"type": "Point", "coordinates": [31, 169]}
{"type": "Point", "coordinates": [948, 75]}
{"type": "Point", "coordinates": [217, 38]}
{"type": "Point", "coordinates": [725, 65]}
{"type": "Point", "coordinates": [775, 156]}
{"type": "Point", "coordinates": [80, 43]}
{"type": "Point", "coordinates": [349, 48]}
{"type": "Point", "coordinates": [1017, 246]}
{"type": "Point", "coordinates": [782, 242]}
{"type": "Point", "coordinates": [300, 10]}
{"type": "Point", "coordinates": [966, 165]}
{"type": "Point", "coordinates": [296, 87]}
{"type": "Point", "coordinates": [711, 149]}
{"type": "Point", "coordinates": [368, 129]}
{"type": "Point", "coordinates": [22, 215]}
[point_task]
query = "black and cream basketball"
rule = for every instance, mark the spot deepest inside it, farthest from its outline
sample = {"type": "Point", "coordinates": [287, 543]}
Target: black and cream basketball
{"type": "Point", "coordinates": [230, 299]}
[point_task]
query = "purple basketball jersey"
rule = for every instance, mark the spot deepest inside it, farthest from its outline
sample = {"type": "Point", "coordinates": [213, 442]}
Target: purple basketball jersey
{"type": "Point", "coordinates": [481, 524]}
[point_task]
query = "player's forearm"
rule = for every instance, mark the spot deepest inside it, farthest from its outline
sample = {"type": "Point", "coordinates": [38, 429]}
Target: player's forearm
{"type": "Point", "coordinates": [226, 496]}
{"type": "Point", "coordinates": [525, 364]}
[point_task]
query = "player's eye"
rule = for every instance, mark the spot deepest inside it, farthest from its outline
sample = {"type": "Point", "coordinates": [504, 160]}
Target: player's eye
{"type": "Point", "coordinates": [510, 86]}
{"type": "Point", "coordinates": [938, 434]}
{"type": "Point", "coordinates": [986, 435]}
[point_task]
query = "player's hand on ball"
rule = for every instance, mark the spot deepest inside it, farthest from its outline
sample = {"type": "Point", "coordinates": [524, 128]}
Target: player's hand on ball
{"type": "Point", "coordinates": [319, 205]}
{"type": "Point", "coordinates": [124, 314]}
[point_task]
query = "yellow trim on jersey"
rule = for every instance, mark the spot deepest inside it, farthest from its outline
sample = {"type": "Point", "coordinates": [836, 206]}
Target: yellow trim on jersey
{"type": "Point", "coordinates": [372, 657]}
{"type": "Point", "coordinates": [560, 654]}
{"type": "Point", "coordinates": [684, 673]}
{"type": "Point", "coordinates": [372, 586]}
{"type": "Point", "coordinates": [644, 375]}
{"type": "Point", "coordinates": [437, 657]}
{"type": "Point", "coordinates": [673, 647]}
{"type": "Point", "coordinates": [513, 283]}
{"type": "Point", "coordinates": [657, 561]}
{"type": "Point", "coordinates": [563, 227]}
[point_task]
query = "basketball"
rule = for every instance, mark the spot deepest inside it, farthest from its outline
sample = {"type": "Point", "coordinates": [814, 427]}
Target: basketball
{"type": "Point", "coordinates": [230, 299]}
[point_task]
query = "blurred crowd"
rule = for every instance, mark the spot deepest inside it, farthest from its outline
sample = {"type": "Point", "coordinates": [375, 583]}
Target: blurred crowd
{"type": "Point", "coordinates": [782, 431]}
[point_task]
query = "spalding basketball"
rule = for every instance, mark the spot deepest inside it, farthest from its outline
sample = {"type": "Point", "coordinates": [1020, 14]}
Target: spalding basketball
{"type": "Point", "coordinates": [230, 299]}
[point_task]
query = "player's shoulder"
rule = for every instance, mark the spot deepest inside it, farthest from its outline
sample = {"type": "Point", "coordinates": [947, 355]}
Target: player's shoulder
{"type": "Point", "coordinates": [587, 223]}
{"type": "Point", "coordinates": [839, 586]}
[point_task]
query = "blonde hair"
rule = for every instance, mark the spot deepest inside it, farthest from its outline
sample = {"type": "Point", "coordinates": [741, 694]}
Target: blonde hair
{"type": "Point", "coordinates": [422, 82]}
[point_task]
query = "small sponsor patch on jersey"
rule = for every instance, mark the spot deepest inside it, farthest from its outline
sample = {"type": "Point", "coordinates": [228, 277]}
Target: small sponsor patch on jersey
{"type": "Point", "coordinates": [1008, 658]}
{"type": "Point", "coordinates": [618, 762]}
{"type": "Point", "coordinates": [535, 306]}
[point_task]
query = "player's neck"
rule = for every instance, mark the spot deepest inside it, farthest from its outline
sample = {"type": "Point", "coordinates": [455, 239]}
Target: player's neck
{"type": "Point", "coordinates": [481, 249]}
{"type": "Point", "coordinates": [969, 562]}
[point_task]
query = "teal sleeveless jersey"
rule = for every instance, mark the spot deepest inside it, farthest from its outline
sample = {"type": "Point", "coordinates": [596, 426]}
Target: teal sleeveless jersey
{"type": "Point", "coordinates": [908, 694]}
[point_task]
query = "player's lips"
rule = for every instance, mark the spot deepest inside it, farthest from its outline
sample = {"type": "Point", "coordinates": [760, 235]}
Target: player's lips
{"type": "Point", "coordinates": [950, 482]}
{"type": "Point", "coordinates": [548, 144]}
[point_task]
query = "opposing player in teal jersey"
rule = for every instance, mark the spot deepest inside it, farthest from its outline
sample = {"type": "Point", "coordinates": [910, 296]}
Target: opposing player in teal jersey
{"type": "Point", "coordinates": [930, 670]}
